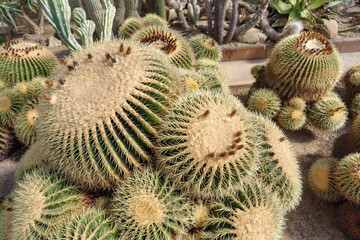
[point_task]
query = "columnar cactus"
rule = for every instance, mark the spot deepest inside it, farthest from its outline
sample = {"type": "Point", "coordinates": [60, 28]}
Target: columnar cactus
{"type": "Point", "coordinates": [304, 65]}
{"type": "Point", "coordinates": [205, 47]}
{"type": "Point", "coordinates": [22, 61]}
{"type": "Point", "coordinates": [279, 168]}
{"type": "Point", "coordinates": [264, 101]}
{"type": "Point", "coordinates": [11, 103]}
{"type": "Point", "coordinates": [251, 213]}
{"type": "Point", "coordinates": [97, 142]}
{"type": "Point", "coordinates": [348, 217]}
{"type": "Point", "coordinates": [170, 42]}
{"type": "Point", "coordinates": [85, 28]}
{"type": "Point", "coordinates": [6, 141]}
{"type": "Point", "coordinates": [329, 114]}
{"type": "Point", "coordinates": [26, 122]}
{"type": "Point", "coordinates": [352, 82]}
{"type": "Point", "coordinates": [91, 224]}
{"type": "Point", "coordinates": [322, 179]}
{"type": "Point", "coordinates": [41, 202]}
{"type": "Point", "coordinates": [207, 145]}
{"type": "Point", "coordinates": [348, 177]}
{"type": "Point", "coordinates": [148, 206]}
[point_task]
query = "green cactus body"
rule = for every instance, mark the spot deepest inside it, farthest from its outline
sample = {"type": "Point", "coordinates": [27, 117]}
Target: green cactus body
{"type": "Point", "coordinates": [352, 82]}
{"type": "Point", "coordinates": [129, 27]}
{"type": "Point", "coordinates": [152, 19]}
{"type": "Point", "coordinates": [207, 145]}
{"type": "Point", "coordinates": [22, 61]}
{"type": "Point", "coordinates": [348, 177]}
{"type": "Point", "coordinates": [251, 213]}
{"type": "Point", "coordinates": [264, 101]}
{"type": "Point", "coordinates": [170, 42]}
{"type": "Point", "coordinates": [279, 168]}
{"type": "Point", "coordinates": [106, 136]}
{"type": "Point", "coordinates": [32, 89]}
{"type": "Point", "coordinates": [322, 180]}
{"type": "Point", "coordinates": [291, 118]}
{"type": "Point", "coordinates": [147, 206]}
{"type": "Point", "coordinates": [11, 103]}
{"type": "Point", "coordinates": [348, 217]}
{"type": "Point", "coordinates": [329, 114]}
{"type": "Point", "coordinates": [26, 122]}
{"type": "Point", "coordinates": [303, 65]}
{"type": "Point", "coordinates": [91, 224]}
{"type": "Point", "coordinates": [42, 202]}
{"type": "Point", "coordinates": [6, 217]}
{"type": "Point", "coordinates": [6, 141]}
{"type": "Point", "coordinates": [95, 13]}
{"type": "Point", "coordinates": [205, 47]}
{"type": "Point", "coordinates": [32, 158]}
{"type": "Point", "coordinates": [205, 64]}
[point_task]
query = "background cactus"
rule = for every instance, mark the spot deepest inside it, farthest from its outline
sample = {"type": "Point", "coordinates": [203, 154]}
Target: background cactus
{"type": "Point", "coordinates": [264, 101]}
{"type": "Point", "coordinates": [322, 179]}
{"type": "Point", "coordinates": [22, 61]}
{"type": "Point", "coordinates": [147, 205]}
{"type": "Point", "coordinates": [26, 122]}
{"type": "Point", "coordinates": [114, 131]}
{"type": "Point", "coordinates": [42, 201]}
{"type": "Point", "coordinates": [170, 42]}
{"type": "Point", "coordinates": [250, 213]}
{"type": "Point", "coordinates": [348, 217]}
{"type": "Point", "coordinates": [347, 177]}
{"type": "Point", "coordinates": [6, 141]}
{"type": "Point", "coordinates": [352, 82]}
{"type": "Point", "coordinates": [193, 12]}
{"type": "Point", "coordinates": [91, 224]}
{"type": "Point", "coordinates": [207, 146]}
{"type": "Point", "coordinates": [329, 114]}
{"type": "Point", "coordinates": [205, 47]}
{"type": "Point", "coordinates": [107, 19]}
{"type": "Point", "coordinates": [303, 65]}
{"type": "Point", "coordinates": [85, 28]}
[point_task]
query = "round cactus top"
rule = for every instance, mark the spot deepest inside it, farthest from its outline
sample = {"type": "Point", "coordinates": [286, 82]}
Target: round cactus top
{"type": "Point", "coordinates": [22, 49]}
{"type": "Point", "coordinates": [314, 43]}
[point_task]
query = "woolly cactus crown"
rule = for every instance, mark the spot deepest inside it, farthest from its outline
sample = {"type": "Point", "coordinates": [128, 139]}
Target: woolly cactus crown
{"type": "Point", "coordinates": [22, 61]}
{"type": "Point", "coordinates": [98, 119]}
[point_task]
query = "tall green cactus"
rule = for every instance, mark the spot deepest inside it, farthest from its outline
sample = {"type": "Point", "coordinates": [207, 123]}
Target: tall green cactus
{"type": "Point", "coordinates": [85, 29]}
{"type": "Point", "coordinates": [94, 11]}
{"type": "Point", "coordinates": [58, 14]}
{"type": "Point", "coordinates": [107, 20]}
{"type": "Point", "coordinates": [193, 11]}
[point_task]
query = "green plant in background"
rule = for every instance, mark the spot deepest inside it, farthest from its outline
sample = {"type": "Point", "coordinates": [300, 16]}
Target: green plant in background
{"type": "Point", "coordinates": [85, 28]}
{"type": "Point", "coordinates": [7, 9]}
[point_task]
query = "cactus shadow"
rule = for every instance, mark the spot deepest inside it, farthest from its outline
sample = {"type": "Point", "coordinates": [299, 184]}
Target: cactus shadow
{"type": "Point", "coordinates": [302, 136]}
{"type": "Point", "coordinates": [341, 147]}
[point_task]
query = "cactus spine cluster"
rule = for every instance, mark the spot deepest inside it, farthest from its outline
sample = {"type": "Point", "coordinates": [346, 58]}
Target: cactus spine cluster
{"type": "Point", "coordinates": [205, 47]}
{"type": "Point", "coordinates": [147, 205]}
{"type": "Point", "coordinates": [264, 101]}
{"type": "Point", "coordinates": [104, 139]}
{"type": "Point", "coordinates": [305, 65]}
{"type": "Point", "coordinates": [32, 158]}
{"type": "Point", "coordinates": [322, 179]}
{"type": "Point", "coordinates": [22, 61]}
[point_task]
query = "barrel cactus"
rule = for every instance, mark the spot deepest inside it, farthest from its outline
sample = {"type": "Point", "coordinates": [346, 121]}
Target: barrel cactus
{"type": "Point", "coordinates": [11, 103]}
{"type": "Point", "coordinates": [90, 224]}
{"type": "Point", "coordinates": [42, 201]}
{"type": "Point", "coordinates": [352, 82]}
{"type": "Point", "coordinates": [205, 47]}
{"type": "Point", "coordinates": [97, 141]}
{"type": "Point", "coordinates": [291, 118]}
{"type": "Point", "coordinates": [304, 65]}
{"type": "Point", "coordinates": [21, 61]}
{"type": "Point", "coordinates": [355, 105]}
{"type": "Point", "coordinates": [250, 213]}
{"type": "Point", "coordinates": [6, 141]}
{"type": "Point", "coordinates": [26, 122]}
{"type": "Point", "coordinates": [264, 101]}
{"type": "Point", "coordinates": [322, 179]}
{"type": "Point", "coordinates": [348, 177]}
{"type": "Point", "coordinates": [207, 145]}
{"type": "Point", "coordinates": [329, 114]}
{"type": "Point", "coordinates": [203, 79]}
{"type": "Point", "coordinates": [129, 27]}
{"type": "Point", "coordinates": [170, 42]}
{"type": "Point", "coordinates": [152, 19]}
{"type": "Point", "coordinates": [31, 90]}
{"type": "Point", "coordinates": [148, 206]}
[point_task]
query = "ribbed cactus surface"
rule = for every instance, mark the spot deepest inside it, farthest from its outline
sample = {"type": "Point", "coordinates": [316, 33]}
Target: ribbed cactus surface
{"type": "Point", "coordinates": [26, 122]}
{"type": "Point", "coordinates": [205, 47]}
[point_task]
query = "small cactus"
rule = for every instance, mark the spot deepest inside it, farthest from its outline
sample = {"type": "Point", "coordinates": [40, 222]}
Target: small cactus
{"type": "Point", "coordinates": [348, 177]}
{"type": "Point", "coordinates": [147, 206]}
{"type": "Point", "coordinates": [26, 122]}
{"type": "Point", "coordinates": [90, 224]}
{"type": "Point", "coordinates": [170, 42]}
{"type": "Point", "coordinates": [297, 103]}
{"type": "Point", "coordinates": [6, 141]}
{"type": "Point", "coordinates": [352, 82]}
{"type": "Point", "coordinates": [206, 64]}
{"type": "Point", "coordinates": [322, 179]}
{"type": "Point", "coordinates": [348, 218]}
{"type": "Point", "coordinates": [41, 202]}
{"type": "Point", "coordinates": [264, 101]}
{"type": "Point", "coordinates": [329, 114]}
{"type": "Point", "coordinates": [31, 90]}
{"type": "Point", "coordinates": [250, 213]}
{"type": "Point", "coordinates": [22, 61]}
{"type": "Point", "coordinates": [11, 103]}
{"type": "Point", "coordinates": [291, 118]}
{"type": "Point", "coordinates": [203, 79]}
{"type": "Point", "coordinates": [355, 105]}
{"type": "Point", "coordinates": [207, 145]}
{"type": "Point", "coordinates": [205, 47]}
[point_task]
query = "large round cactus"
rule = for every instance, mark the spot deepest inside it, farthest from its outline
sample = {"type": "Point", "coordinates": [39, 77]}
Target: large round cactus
{"type": "Point", "coordinates": [22, 61]}
{"type": "Point", "coordinates": [170, 42]}
{"type": "Point", "coordinates": [249, 214]}
{"type": "Point", "coordinates": [40, 203]}
{"type": "Point", "coordinates": [207, 144]}
{"type": "Point", "coordinates": [148, 206]}
{"type": "Point", "coordinates": [98, 119]}
{"type": "Point", "coordinates": [304, 65]}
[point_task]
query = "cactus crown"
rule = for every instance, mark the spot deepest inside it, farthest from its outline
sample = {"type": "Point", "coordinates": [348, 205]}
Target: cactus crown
{"type": "Point", "coordinates": [315, 44]}
{"type": "Point", "coordinates": [205, 47]}
{"type": "Point", "coordinates": [21, 49]}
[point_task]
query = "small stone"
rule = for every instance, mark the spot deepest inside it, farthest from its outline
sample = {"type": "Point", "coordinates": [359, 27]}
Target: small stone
{"type": "Point", "coordinates": [331, 28]}
{"type": "Point", "coordinates": [252, 36]}
{"type": "Point", "coordinates": [53, 42]}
